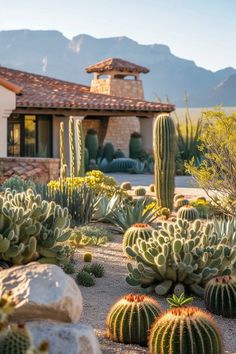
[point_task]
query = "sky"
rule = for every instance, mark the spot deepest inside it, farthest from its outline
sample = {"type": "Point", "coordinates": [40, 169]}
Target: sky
{"type": "Point", "coordinates": [199, 30]}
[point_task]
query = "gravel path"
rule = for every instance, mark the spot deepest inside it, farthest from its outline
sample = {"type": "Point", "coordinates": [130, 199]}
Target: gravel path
{"type": "Point", "coordinates": [98, 299]}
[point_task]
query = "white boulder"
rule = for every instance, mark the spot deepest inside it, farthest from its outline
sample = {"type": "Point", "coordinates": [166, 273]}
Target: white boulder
{"type": "Point", "coordinates": [64, 338]}
{"type": "Point", "coordinates": [42, 291]}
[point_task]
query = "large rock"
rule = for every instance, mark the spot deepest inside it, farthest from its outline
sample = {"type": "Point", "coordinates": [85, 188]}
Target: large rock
{"type": "Point", "coordinates": [42, 291]}
{"type": "Point", "coordinates": [64, 338]}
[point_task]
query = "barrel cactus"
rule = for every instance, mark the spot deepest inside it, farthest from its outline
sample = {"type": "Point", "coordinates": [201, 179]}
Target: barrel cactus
{"type": "Point", "coordinates": [181, 256]}
{"type": "Point", "coordinates": [121, 165]}
{"type": "Point", "coordinates": [220, 296]}
{"type": "Point", "coordinates": [180, 202]}
{"type": "Point", "coordinates": [140, 191]}
{"type": "Point", "coordinates": [185, 330]}
{"type": "Point", "coordinates": [131, 318]}
{"type": "Point", "coordinates": [85, 278]}
{"type": "Point", "coordinates": [178, 196]}
{"type": "Point", "coordinates": [142, 231]}
{"type": "Point", "coordinates": [126, 186]}
{"type": "Point", "coordinates": [108, 152]}
{"type": "Point", "coordinates": [135, 146]}
{"type": "Point", "coordinates": [152, 188]}
{"type": "Point", "coordinates": [164, 138]}
{"type": "Point", "coordinates": [32, 229]}
{"type": "Point", "coordinates": [187, 212]}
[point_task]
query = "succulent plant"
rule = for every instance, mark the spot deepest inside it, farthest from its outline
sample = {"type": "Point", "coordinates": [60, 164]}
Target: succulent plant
{"type": "Point", "coordinates": [96, 269]}
{"type": "Point", "coordinates": [108, 152]}
{"type": "Point", "coordinates": [126, 186]}
{"type": "Point", "coordinates": [121, 165]}
{"type": "Point", "coordinates": [140, 191]}
{"type": "Point", "coordinates": [180, 202]}
{"type": "Point", "coordinates": [181, 256]}
{"type": "Point", "coordinates": [178, 196]}
{"type": "Point", "coordinates": [143, 231]}
{"type": "Point", "coordinates": [118, 154]}
{"type": "Point", "coordinates": [187, 212]}
{"type": "Point", "coordinates": [220, 296]}
{"type": "Point", "coordinates": [88, 257]}
{"type": "Point", "coordinates": [91, 143]}
{"type": "Point", "coordinates": [185, 330]}
{"type": "Point", "coordinates": [135, 146]}
{"type": "Point", "coordinates": [165, 212]}
{"type": "Point", "coordinates": [152, 188]}
{"type": "Point", "coordinates": [85, 278]}
{"type": "Point", "coordinates": [131, 318]}
{"type": "Point", "coordinates": [32, 229]}
{"type": "Point", "coordinates": [164, 154]}
{"type": "Point", "coordinates": [18, 184]}
{"type": "Point", "coordinates": [81, 149]}
{"type": "Point", "coordinates": [69, 267]}
{"type": "Point", "coordinates": [179, 301]}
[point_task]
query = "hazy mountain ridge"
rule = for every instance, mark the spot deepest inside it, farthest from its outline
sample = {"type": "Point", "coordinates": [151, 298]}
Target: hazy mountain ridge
{"type": "Point", "coordinates": [51, 53]}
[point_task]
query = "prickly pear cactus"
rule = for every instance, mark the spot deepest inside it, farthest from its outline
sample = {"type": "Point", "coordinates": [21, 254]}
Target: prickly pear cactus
{"type": "Point", "coordinates": [181, 256]}
{"type": "Point", "coordinates": [220, 296]}
{"type": "Point", "coordinates": [131, 318]}
{"type": "Point", "coordinates": [32, 229]}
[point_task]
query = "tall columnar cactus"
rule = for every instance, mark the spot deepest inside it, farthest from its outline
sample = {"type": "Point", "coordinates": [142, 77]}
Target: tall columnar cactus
{"type": "Point", "coordinates": [220, 296]}
{"type": "Point", "coordinates": [181, 256]}
{"type": "Point", "coordinates": [81, 149]}
{"type": "Point", "coordinates": [91, 143]}
{"type": "Point", "coordinates": [131, 318]}
{"type": "Point", "coordinates": [185, 330]}
{"type": "Point", "coordinates": [73, 164]}
{"type": "Point", "coordinates": [63, 166]}
{"type": "Point", "coordinates": [108, 152]}
{"type": "Point", "coordinates": [136, 146]}
{"type": "Point", "coordinates": [164, 140]}
{"type": "Point", "coordinates": [187, 212]}
{"type": "Point", "coordinates": [142, 231]}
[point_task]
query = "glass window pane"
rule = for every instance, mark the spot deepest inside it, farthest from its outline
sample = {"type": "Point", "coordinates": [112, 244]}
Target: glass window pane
{"type": "Point", "coordinates": [14, 138]}
{"type": "Point", "coordinates": [44, 137]}
{"type": "Point", "coordinates": [30, 136]}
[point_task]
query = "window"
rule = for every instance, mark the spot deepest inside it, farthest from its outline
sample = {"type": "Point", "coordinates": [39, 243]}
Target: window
{"type": "Point", "coordinates": [30, 135]}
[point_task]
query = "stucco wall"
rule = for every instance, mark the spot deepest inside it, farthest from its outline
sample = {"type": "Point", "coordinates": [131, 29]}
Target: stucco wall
{"type": "Point", "coordinates": [7, 105]}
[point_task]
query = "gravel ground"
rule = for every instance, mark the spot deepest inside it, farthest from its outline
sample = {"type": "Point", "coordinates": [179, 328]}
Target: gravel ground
{"type": "Point", "coordinates": [98, 299]}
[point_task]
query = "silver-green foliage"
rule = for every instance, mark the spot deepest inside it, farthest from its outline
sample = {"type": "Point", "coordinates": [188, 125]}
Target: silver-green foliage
{"type": "Point", "coordinates": [181, 255]}
{"type": "Point", "coordinates": [32, 229]}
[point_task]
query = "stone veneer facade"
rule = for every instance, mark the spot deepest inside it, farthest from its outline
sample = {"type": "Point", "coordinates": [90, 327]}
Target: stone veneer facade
{"type": "Point", "coordinates": [40, 170]}
{"type": "Point", "coordinates": [119, 128]}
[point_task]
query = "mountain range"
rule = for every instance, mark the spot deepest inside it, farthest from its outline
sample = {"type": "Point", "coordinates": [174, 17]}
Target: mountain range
{"type": "Point", "coordinates": [51, 53]}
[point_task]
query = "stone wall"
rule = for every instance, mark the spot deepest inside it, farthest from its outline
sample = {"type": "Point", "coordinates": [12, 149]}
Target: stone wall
{"type": "Point", "coordinates": [40, 170]}
{"type": "Point", "coordinates": [118, 87]}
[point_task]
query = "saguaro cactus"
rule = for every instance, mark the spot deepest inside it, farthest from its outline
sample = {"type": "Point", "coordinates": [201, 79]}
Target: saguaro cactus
{"type": "Point", "coordinates": [164, 146]}
{"type": "Point", "coordinates": [81, 148]}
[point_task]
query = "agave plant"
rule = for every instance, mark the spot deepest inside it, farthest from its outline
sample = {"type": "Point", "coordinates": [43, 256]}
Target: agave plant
{"type": "Point", "coordinates": [128, 214]}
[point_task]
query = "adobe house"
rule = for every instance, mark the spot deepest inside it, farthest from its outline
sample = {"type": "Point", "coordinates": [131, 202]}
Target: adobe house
{"type": "Point", "coordinates": [32, 107]}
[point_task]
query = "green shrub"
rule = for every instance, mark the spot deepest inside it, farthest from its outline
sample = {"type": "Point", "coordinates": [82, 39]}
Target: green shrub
{"type": "Point", "coordinates": [18, 184]}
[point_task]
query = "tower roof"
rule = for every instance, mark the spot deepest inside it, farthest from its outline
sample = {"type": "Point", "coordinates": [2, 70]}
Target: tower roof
{"type": "Point", "coordinates": [116, 64]}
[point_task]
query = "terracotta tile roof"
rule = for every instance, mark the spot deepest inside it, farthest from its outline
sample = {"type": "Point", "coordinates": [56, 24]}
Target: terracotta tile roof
{"type": "Point", "coordinates": [10, 86]}
{"type": "Point", "coordinates": [116, 64]}
{"type": "Point", "coordinates": [44, 92]}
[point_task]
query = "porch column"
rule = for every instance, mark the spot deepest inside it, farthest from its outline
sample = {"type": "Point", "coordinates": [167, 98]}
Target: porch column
{"type": "Point", "coordinates": [146, 129]}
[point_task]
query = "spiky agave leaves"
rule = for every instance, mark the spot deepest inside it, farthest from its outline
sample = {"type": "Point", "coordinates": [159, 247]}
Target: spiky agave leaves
{"type": "Point", "coordinates": [185, 330]}
{"type": "Point", "coordinates": [220, 296]}
{"type": "Point", "coordinates": [179, 301]}
{"type": "Point", "coordinates": [131, 318]}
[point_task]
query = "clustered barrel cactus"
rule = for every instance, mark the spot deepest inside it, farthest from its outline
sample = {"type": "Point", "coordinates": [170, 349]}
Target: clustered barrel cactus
{"type": "Point", "coordinates": [179, 256]}
{"type": "Point", "coordinates": [164, 147]}
{"type": "Point", "coordinates": [220, 296]}
{"type": "Point", "coordinates": [131, 318]}
{"type": "Point", "coordinates": [32, 229]}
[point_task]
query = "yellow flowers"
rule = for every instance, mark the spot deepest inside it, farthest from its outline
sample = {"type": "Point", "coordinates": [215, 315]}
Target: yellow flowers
{"type": "Point", "coordinates": [96, 180]}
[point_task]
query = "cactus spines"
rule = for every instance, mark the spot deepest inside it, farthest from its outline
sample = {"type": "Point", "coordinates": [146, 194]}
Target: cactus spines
{"type": "Point", "coordinates": [126, 186]}
{"type": "Point", "coordinates": [164, 138]}
{"type": "Point", "coordinates": [73, 165]}
{"type": "Point", "coordinates": [96, 269]}
{"type": "Point", "coordinates": [142, 231]}
{"type": "Point", "coordinates": [85, 279]}
{"type": "Point", "coordinates": [63, 166]}
{"type": "Point", "coordinates": [131, 318]}
{"type": "Point", "coordinates": [15, 341]}
{"type": "Point", "coordinates": [88, 257]}
{"type": "Point", "coordinates": [180, 202]}
{"type": "Point", "coordinates": [140, 191]}
{"type": "Point", "coordinates": [81, 149]}
{"type": "Point", "coordinates": [185, 330]}
{"type": "Point", "coordinates": [220, 296]}
{"type": "Point", "coordinates": [188, 212]}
